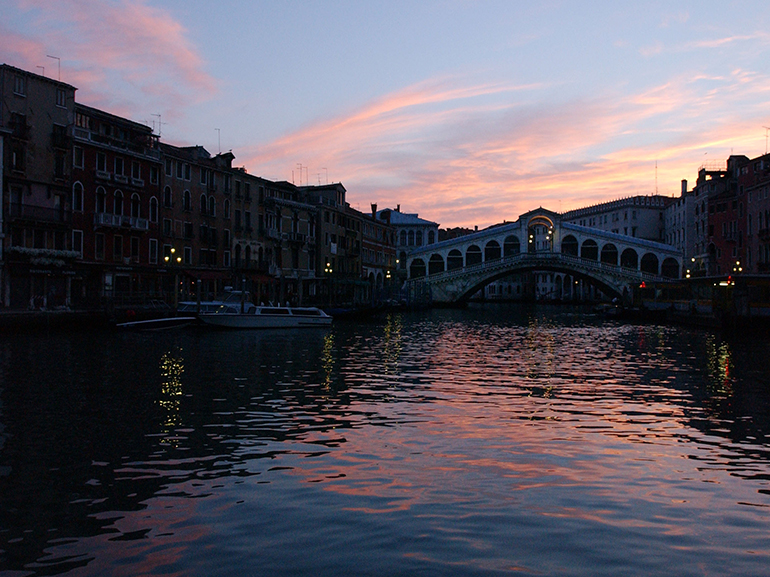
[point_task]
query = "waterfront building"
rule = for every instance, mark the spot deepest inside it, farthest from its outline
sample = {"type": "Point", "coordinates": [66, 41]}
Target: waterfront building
{"type": "Point", "coordinates": [36, 116]}
{"type": "Point", "coordinates": [115, 194]}
{"type": "Point", "coordinates": [679, 220]}
{"type": "Point", "coordinates": [378, 257]}
{"type": "Point", "coordinates": [412, 232]}
{"type": "Point", "coordinates": [637, 216]}
{"type": "Point", "coordinates": [754, 184]}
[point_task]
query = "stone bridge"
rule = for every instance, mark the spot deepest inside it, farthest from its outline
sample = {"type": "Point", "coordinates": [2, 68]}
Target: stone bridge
{"type": "Point", "coordinates": [454, 270]}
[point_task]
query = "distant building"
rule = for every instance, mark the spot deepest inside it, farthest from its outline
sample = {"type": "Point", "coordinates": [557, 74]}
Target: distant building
{"type": "Point", "coordinates": [411, 232]}
{"type": "Point", "coordinates": [637, 216]}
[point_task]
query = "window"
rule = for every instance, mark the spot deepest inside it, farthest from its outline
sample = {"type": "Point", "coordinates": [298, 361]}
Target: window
{"type": "Point", "coordinates": [118, 166]}
{"type": "Point", "coordinates": [247, 191]}
{"type": "Point", "coordinates": [227, 208]}
{"type": "Point", "coordinates": [187, 200]}
{"type": "Point", "coordinates": [154, 174]}
{"type": "Point", "coordinates": [187, 255]}
{"type": "Point", "coordinates": [17, 158]}
{"type": "Point", "coordinates": [77, 157]}
{"type": "Point", "coordinates": [82, 121]}
{"type": "Point", "coordinates": [135, 249]}
{"type": "Point", "coordinates": [167, 197]}
{"type": "Point", "coordinates": [169, 167]}
{"type": "Point", "coordinates": [99, 246]}
{"type": "Point", "coordinates": [153, 256]}
{"type": "Point", "coordinates": [118, 204]}
{"type": "Point", "coordinates": [61, 98]}
{"type": "Point", "coordinates": [227, 258]}
{"type": "Point", "coordinates": [167, 229]}
{"type": "Point", "coordinates": [19, 86]}
{"type": "Point", "coordinates": [179, 170]}
{"type": "Point", "coordinates": [188, 230]}
{"type": "Point", "coordinates": [77, 242]}
{"type": "Point", "coordinates": [204, 203]}
{"type": "Point", "coordinates": [135, 206]}
{"type": "Point", "coordinates": [153, 209]}
{"type": "Point", "coordinates": [212, 206]}
{"type": "Point", "coordinates": [117, 248]}
{"type": "Point", "coordinates": [247, 220]}
{"type": "Point", "coordinates": [136, 170]}
{"type": "Point", "coordinates": [187, 171]}
{"type": "Point", "coordinates": [204, 174]}
{"type": "Point", "coordinates": [77, 197]}
{"type": "Point", "coordinates": [101, 161]}
{"type": "Point", "coordinates": [101, 200]}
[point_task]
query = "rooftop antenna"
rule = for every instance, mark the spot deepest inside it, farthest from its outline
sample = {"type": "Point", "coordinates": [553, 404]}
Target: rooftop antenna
{"type": "Point", "coordinates": [58, 60]}
{"type": "Point", "coordinates": [160, 124]}
{"type": "Point", "coordinates": [766, 129]}
{"type": "Point", "coordinates": [43, 69]}
{"type": "Point", "coordinates": [300, 173]}
{"type": "Point", "coordinates": [656, 177]}
{"type": "Point", "coordinates": [219, 140]}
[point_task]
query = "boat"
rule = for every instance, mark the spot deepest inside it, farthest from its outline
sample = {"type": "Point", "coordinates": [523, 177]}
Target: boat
{"type": "Point", "coordinates": [265, 317]}
{"type": "Point", "coordinates": [160, 324]}
{"type": "Point", "coordinates": [230, 298]}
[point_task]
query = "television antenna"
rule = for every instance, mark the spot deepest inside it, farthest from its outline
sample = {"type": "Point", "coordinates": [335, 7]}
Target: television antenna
{"type": "Point", "coordinates": [160, 124]}
{"type": "Point", "coordinates": [58, 60]}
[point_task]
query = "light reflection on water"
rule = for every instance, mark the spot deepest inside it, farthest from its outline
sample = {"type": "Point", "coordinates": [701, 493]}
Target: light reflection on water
{"type": "Point", "coordinates": [484, 441]}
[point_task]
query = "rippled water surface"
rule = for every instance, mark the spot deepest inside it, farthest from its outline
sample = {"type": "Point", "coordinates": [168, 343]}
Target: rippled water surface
{"type": "Point", "coordinates": [492, 440]}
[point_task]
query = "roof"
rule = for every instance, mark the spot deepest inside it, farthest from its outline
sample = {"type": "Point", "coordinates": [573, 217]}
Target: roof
{"type": "Point", "coordinates": [398, 218]}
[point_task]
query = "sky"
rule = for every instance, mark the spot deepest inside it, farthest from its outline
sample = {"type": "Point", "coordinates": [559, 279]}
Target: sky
{"type": "Point", "coordinates": [466, 112]}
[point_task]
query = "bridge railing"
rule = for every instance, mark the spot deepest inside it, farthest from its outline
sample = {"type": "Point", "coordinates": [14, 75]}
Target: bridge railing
{"type": "Point", "coordinates": [540, 258]}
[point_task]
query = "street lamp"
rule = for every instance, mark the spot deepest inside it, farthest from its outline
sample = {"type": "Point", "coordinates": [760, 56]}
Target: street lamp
{"type": "Point", "coordinates": [170, 260]}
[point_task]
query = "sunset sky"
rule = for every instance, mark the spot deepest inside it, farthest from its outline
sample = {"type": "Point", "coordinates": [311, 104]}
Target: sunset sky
{"type": "Point", "coordinates": [469, 113]}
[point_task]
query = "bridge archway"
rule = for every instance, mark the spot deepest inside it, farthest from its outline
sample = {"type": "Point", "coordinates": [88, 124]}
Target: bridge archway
{"type": "Point", "coordinates": [435, 264]}
{"type": "Point", "coordinates": [610, 254]}
{"type": "Point", "coordinates": [649, 263]}
{"type": "Point", "coordinates": [454, 260]}
{"type": "Point", "coordinates": [590, 249]}
{"type": "Point", "coordinates": [569, 245]}
{"type": "Point", "coordinates": [669, 268]}
{"type": "Point", "coordinates": [417, 268]}
{"type": "Point", "coordinates": [511, 245]}
{"type": "Point", "coordinates": [492, 251]}
{"type": "Point", "coordinates": [629, 259]}
{"type": "Point", "coordinates": [472, 255]}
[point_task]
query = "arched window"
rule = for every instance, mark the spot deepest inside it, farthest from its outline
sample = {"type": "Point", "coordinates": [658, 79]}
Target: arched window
{"type": "Point", "coordinates": [454, 260]}
{"type": "Point", "coordinates": [431, 236]}
{"type": "Point", "coordinates": [118, 204]}
{"type": "Point", "coordinates": [472, 255]}
{"type": "Point", "coordinates": [418, 238]}
{"type": "Point", "coordinates": [167, 197]}
{"type": "Point", "coordinates": [410, 238]}
{"type": "Point", "coordinates": [204, 203]}
{"type": "Point", "coordinates": [610, 254]}
{"type": "Point", "coordinates": [153, 209]}
{"type": "Point", "coordinates": [212, 206]}
{"type": "Point", "coordinates": [492, 250]}
{"type": "Point", "coordinates": [247, 256]}
{"type": "Point", "coordinates": [402, 238]}
{"type": "Point", "coordinates": [101, 200]}
{"type": "Point", "coordinates": [187, 200]}
{"type": "Point", "coordinates": [77, 197]}
{"type": "Point", "coordinates": [135, 206]}
{"type": "Point", "coordinates": [569, 245]}
{"type": "Point", "coordinates": [590, 250]}
{"type": "Point", "coordinates": [649, 263]}
{"type": "Point", "coordinates": [629, 258]}
{"type": "Point", "coordinates": [227, 208]}
{"type": "Point", "coordinates": [435, 264]}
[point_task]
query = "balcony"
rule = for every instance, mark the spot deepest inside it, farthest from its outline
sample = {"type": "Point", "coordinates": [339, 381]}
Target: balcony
{"type": "Point", "coordinates": [120, 221]}
{"type": "Point", "coordinates": [39, 213]}
{"type": "Point", "coordinates": [295, 237]}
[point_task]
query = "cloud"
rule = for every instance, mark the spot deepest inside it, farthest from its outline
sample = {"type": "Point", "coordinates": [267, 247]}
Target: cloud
{"type": "Point", "coordinates": [120, 54]}
{"type": "Point", "coordinates": [480, 154]}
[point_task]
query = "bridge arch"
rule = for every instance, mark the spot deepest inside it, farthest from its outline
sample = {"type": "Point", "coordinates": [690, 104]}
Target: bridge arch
{"type": "Point", "coordinates": [610, 254]}
{"type": "Point", "coordinates": [629, 259]}
{"type": "Point", "coordinates": [472, 255]}
{"type": "Point", "coordinates": [569, 245]}
{"type": "Point", "coordinates": [417, 268]}
{"type": "Point", "coordinates": [511, 245]}
{"type": "Point", "coordinates": [590, 249]}
{"type": "Point", "coordinates": [649, 263]}
{"type": "Point", "coordinates": [492, 251]}
{"type": "Point", "coordinates": [435, 264]}
{"type": "Point", "coordinates": [669, 268]}
{"type": "Point", "coordinates": [454, 260]}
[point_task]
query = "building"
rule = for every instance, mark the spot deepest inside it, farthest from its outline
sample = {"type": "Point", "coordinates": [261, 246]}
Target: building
{"type": "Point", "coordinates": [115, 194]}
{"type": "Point", "coordinates": [36, 118]}
{"type": "Point", "coordinates": [378, 257]}
{"type": "Point", "coordinates": [638, 216]}
{"type": "Point", "coordinates": [411, 232]}
{"type": "Point", "coordinates": [754, 186]}
{"type": "Point", "coordinates": [679, 220]}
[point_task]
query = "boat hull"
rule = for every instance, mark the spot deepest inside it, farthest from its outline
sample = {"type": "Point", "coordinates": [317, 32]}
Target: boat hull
{"type": "Point", "coordinates": [267, 318]}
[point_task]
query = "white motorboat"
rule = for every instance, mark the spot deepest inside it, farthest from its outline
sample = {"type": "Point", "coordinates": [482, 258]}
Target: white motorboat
{"type": "Point", "coordinates": [264, 317]}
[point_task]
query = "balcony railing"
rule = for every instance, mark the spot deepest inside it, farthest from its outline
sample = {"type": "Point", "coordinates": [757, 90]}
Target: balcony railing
{"type": "Point", "coordinates": [119, 220]}
{"type": "Point", "coordinates": [40, 213]}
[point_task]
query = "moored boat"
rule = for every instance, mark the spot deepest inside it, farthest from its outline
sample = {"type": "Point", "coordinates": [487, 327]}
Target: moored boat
{"type": "Point", "coordinates": [264, 317]}
{"type": "Point", "coordinates": [159, 324]}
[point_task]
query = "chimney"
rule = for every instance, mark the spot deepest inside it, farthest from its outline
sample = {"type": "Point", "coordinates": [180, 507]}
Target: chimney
{"type": "Point", "coordinates": [398, 208]}
{"type": "Point", "coordinates": [374, 210]}
{"type": "Point", "coordinates": [684, 187]}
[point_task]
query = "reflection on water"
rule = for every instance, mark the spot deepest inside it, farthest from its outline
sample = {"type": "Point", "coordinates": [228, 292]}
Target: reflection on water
{"type": "Point", "coordinates": [483, 441]}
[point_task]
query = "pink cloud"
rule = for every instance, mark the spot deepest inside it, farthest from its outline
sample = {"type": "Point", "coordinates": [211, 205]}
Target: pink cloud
{"type": "Point", "coordinates": [120, 54]}
{"type": "Point", "coordinates": [483, 154]}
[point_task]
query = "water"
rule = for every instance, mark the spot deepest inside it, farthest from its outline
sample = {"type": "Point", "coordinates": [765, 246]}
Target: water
{"type": "Point", "coordinates": [493, 440]}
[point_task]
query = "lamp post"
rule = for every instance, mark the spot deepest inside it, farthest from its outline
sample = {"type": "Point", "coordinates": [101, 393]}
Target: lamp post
{"type": "Point", "coordinates": [175, 262]}
{"type": "Point", "coordinates": [328, 272]}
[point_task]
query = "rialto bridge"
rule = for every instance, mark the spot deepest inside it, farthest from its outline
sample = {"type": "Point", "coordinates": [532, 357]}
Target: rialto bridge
{"type": "Point", "coordinates": [454, 270]}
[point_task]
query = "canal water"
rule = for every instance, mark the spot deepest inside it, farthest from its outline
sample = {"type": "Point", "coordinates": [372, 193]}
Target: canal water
{"type": "Point", "coordinates": [494, 440]}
